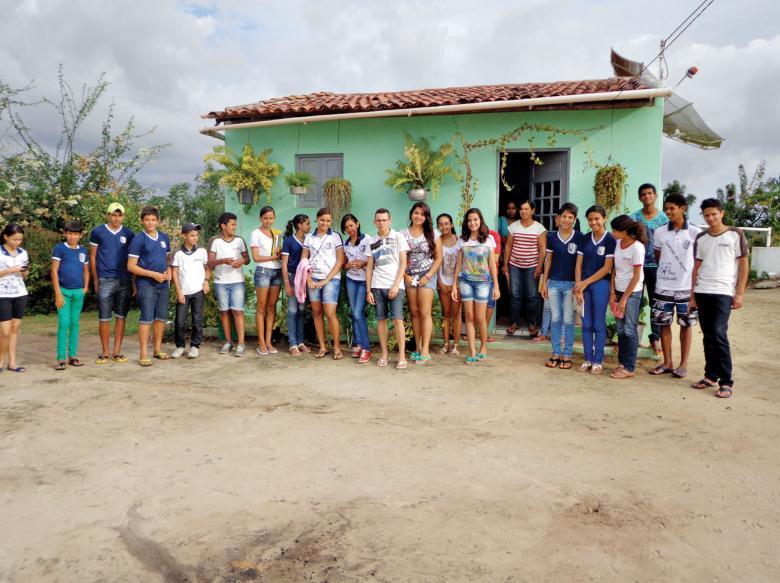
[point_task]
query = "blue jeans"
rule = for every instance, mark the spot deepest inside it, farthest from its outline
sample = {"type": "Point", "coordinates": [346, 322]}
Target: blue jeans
{"type": "Point", "coordinates": [295, 312]}
{"type": "Point", "coordinates": [594, 321]}
{"type": "Point", "coordinates": [356, 294]}
{"type": "Point", "coordinates": [523, 290]}
{"type": "Point", "coordinates": [628, 332]}
{"type": "Point", "coordinates": [546, 318]}
{"type": "Point", "coordinates": [561, 302]}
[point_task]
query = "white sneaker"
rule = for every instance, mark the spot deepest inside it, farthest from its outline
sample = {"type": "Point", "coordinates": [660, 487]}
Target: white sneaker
{"type": "Point", "coordinates": [226, 348]}
{"type": "Point", "coordinates": [240, 350]}
{"type": "Point", "coordinates": [178, 353]}
{"type": "Point", "coordinates": [193, 353]}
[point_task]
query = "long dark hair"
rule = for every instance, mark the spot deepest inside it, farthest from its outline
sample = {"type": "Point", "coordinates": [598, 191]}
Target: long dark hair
{"type": "Point", "coordinates": [427, 224]}
{"type": "Point", "coordinates": [483, 232]}
{"type": "Point", "coordinates": [634, 228]}
{"type": "Point", "coordinates": [353, 218]}
{"type": "Point", "coordinates": [446, 216]}
{"type": "Point", "coordinates": [294, 223]}
{"type": "Point", "coordinates": [267, 209]}
{"type": "Point", "coordinates": [10, 229]}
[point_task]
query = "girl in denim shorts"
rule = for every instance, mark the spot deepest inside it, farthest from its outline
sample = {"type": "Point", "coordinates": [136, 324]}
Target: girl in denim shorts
{"type": "Point", "coordinates": [476, 269]}
{"type": "Point", "coordinates": [266, 245]}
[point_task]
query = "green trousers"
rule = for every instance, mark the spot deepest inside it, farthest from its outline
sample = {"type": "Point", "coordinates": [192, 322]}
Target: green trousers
{"type": "Point", "coordinates": [68, 323]}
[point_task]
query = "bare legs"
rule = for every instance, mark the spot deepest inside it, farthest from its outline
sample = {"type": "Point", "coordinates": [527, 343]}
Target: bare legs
{"type": "Point", "coordinates": [157, 328]}
{"type": "Point", "coordinates": [400, 338]}
{"type": "Point", "coordinates": [265, 317]}
{"type": "Point", "coordinates": [421, 307]}
{"type": "Point", "coordinates": [9, 335]}
{"type": "Point", "coordinates": [476, 319]}
{"type": "Point", "coordinates": [104, 331]}
{"type": "Point", "coordinates": [238, 318]}
{"type": "Point", "coordinates": [686, 337]}
{"type": "Point", "coordinates": [329, 311]}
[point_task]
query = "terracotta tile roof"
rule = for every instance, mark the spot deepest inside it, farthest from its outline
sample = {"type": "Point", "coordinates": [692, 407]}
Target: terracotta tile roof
{"type": "Point", "coordinates": [327, 103]}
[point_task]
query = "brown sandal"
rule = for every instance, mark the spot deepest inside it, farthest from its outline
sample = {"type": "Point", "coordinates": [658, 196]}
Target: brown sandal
{"type": "Point", "coordinates": [565, 364]}
{"type": "Point", "coordinates": [552, 363]}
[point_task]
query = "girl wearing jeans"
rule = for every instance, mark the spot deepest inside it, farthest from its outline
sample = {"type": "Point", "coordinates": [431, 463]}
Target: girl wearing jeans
{"type": "Point", "coordinates": [266, 248]}
{"type": "Point", "coordinates": [558, 285]}
{"type": "Point", "coordinates": [595, 253]}
{"type": "Point", "coordinates": [476, 269]}
{"type": "Point", "coordinates": [292, 247]}
{"type": "Point", "coordinates": [625, 290]}
{"type": "Point", "coordinates": [356, 251]}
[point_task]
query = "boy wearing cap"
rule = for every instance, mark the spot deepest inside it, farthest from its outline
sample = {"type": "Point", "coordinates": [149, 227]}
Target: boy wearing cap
{"type": "Point", "coordinates": [108, 245]}
{"type": "Point", "coordinates": [70, 279]}
{"type": "Point", "coordinates": [147, 259]}
{"type": "Point", "coordinates": [191, 275]}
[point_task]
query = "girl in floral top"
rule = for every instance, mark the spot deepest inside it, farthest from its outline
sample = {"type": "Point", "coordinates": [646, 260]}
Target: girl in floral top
{"type": "Point", "coordinates": [476, 269]}
{"type": "Point", "coordinates": [450, 309]}
{"type": "Point", "coordinates": [424, 259]}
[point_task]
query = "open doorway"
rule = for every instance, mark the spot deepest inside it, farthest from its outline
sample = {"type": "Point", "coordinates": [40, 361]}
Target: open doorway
{"type": "Point", "coordinates": [546, 184]}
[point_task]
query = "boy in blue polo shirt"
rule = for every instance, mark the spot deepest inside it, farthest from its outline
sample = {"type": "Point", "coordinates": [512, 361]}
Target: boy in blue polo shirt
{"type": "Point", "coordinates": [148, 261]}
{"type": "Point", "coordinates": [108, 245]}
{"type": "Point", "coordinates": [70, 279]}
{"type": "Point", "coordinates": [558, 285]}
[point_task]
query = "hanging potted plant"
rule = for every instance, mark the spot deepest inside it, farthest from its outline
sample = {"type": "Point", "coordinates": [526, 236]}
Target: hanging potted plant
{"type": "Point", "coordinates": [609, 187]}
{"type": "Point", "coordinates": [337, 195]}
{"type": "Point", "coordinates": [299, 182]}
{"type": "Point", "coordinates": [422, 171]}
{"type": "Point", "coordinates": [248, 174]}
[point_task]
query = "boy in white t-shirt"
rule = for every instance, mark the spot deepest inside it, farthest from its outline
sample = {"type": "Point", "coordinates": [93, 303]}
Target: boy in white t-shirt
{"type": "Point", "coordinates": [227, 257]}
{"type": "Point", "coordinates": [718, 283]}
{"type": "Point", "coordinates": [384, 273]}
{"type": "Point", "coordinates": [191, 273]}
{"type": "Point", "coordinates": [673, 244]}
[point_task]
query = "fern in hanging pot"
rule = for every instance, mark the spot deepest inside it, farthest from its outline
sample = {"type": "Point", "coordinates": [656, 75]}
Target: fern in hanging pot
{"type": "Point", "coordinates": [423, 170]}
{"type": "Point", "coordinates": [337, 195]}
{"type": "Point", "coordinates": [609, 187]}
{"type": "Point", "coordinates": [299, 182]}
{"type": "Point", "coordinates": [248, 174]}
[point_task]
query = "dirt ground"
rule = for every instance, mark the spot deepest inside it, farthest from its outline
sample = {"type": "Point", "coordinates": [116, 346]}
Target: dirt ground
{"type": "Point", "coordinates": [293, 469]}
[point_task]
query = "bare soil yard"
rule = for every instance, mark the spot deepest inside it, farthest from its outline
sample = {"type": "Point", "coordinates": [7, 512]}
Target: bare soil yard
{"type": "Point", "coordinates": [294, 469]}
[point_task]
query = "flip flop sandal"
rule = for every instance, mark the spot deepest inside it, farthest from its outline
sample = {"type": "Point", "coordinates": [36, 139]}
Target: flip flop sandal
{"type": "Point", "coordinates": [423, 359]}
{"type": "Point", "coordinates": [381, 362]}
{"type": "Point", "coordinates": [596, 369]}
{"type": "Point", "coordinates": [145, 362]}
{"type": "Point", "coordinates": [303, 348]}
{"type": "Point", "coordinates": [471, 361]}
{"type": "Point", "coordinates": [60, 365]}
{"type": "Point", "coordinates": [659, 370]}
{"type": "Point", "coordinates": [272, 350]}
{"type": "Point", "coordinates": [162, 356]}
{"type": "Point", "coordinates": [444, 349]}
{"type": "Point", "coordinates": [101, 359]}
{"type": "Point", "coordinates": [321, 354]}
{"type": "Point", "coordinates": [585, 367]}
{"type": "Point", "coordinates": [680, 373]}
{"type": "Point", "coordinates": [724, 392]}
{"type": "Point", "coordinates": [481, 356]}
{"type": "Point", "coordinates": [455, 352]}
{"type": "Point", "coordinates": [565, 364]}
{"type": "Point", "coordinates": [295, 351]}
{"type": "Point", "coordinates": [17, 369]}
{"type": "Point", "coordinates": [621, 373]}
{"type": "Point", "coordinates": [338, 355]}
{"type": "Point", "coordinates": [401, 365]}
{"type": "Point", "coordinates": [75, 362]}
{"type": "Point", "coordinates": [119, 358]}
{"type": "Point", "coordinates": [414, 356]}
{"type": "Point", "coordinates": [262, 352]}
{"type": "Point", "coordinates": [704, 383]}
{"type": "Point", "coordinates": [552, 363]}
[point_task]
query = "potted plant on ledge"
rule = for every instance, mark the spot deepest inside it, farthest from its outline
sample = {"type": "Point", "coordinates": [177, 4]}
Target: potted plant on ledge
{"type": "Point", "coordinates": [422, 171]}
{"type": "Point", "coordinates": [299, 182]}
{"type": "Point", "coordinates": [248, 174]}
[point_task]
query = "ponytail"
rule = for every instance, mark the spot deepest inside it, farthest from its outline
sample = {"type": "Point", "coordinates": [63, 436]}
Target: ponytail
{"type": "Point", "coordinates": [10, 229]}
{"type": "Point", "coordinates": [294, 223]}
{"type": "Point", "coordinates": [635, 229]}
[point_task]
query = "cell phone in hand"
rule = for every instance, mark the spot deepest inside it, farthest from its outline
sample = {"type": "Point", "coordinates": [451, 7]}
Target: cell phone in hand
{"type": "Point", "coordinates": [25, 266]}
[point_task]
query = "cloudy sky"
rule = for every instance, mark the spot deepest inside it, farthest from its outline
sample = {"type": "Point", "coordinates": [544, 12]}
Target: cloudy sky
{"type": "Point", "coordinates": [169, 62]}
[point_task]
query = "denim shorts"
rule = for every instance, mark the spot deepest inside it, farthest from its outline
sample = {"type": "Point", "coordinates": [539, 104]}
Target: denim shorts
{"type": "Point", "coordinates": [153, 300]}
{"type": "Point", "coordinates": [114, 295]}
{"type": "Point", "coordinates": [328, 294]}
{"type": "Point", "coordinates": [230, 296]}
{"type": "Point", "coordinates": [474, 291]}
{"type": "Point", "coordinates": [491, 302]}
{"type": "Point", "coordinates": [431, 284]}
{"type": "Point", "coordinates": [385, 304]}
{"type": "Point", "coordinates": [267, 277]}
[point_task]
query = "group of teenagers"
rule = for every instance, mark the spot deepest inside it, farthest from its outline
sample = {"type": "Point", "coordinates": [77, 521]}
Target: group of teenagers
{"type": "Point", "coordinates": [699, 275]}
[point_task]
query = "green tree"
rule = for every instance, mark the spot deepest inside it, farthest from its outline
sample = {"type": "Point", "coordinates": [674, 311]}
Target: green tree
{"type": "Point", "coordinates": [754, 201]}
{"type": "Point", "coordinates": [675, 187]}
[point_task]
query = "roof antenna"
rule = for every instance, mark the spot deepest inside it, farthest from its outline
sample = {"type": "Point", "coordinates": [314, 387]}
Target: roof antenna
{"type": "Point", "coordinates": [663, 70]}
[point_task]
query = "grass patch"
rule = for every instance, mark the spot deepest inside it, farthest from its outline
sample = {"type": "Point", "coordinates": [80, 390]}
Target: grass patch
{"type": "Point", "coordinates": [46, 324]}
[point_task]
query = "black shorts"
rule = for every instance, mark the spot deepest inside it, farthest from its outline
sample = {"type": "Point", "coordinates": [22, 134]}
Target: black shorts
{"type": "Point", "coordinates": [12, 308]}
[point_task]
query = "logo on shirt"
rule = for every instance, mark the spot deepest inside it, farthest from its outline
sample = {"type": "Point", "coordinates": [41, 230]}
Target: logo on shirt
{"type": "Point", "coordinates": [162, 244]}
{"type": "Point", "coordinates": [571, 248]}
{"type": "Point", "coordinates": [328, 245]}
{"type": "Point", "coordinates": [686, 244]}
{"type": "Point", "coordinates": [123, 239]}
{"type": "Point", "coordinates": [600, 250]}
{"type": "Point", "coordinates": [82, 257]}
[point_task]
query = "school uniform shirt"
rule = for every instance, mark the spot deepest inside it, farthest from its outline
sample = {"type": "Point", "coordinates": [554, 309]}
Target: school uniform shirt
{"type": "Point", "coordinates": [420, 257]}
{"type": "Point", "coordinates": [266, 246]}
{"type": "Point", "coordinates": [595, 253]}
{"type": "Point", "coordinates": [651, 226]}
{"type": "Point", "coordinates": [625, 260]}
{"type": "Point", "coordinates": [233, 249]}
{"type": "Point", "coordinates": [525, 244]}
{"type": "Point", "coordinates": [386, 252]}
{"type": "Point", "coordinates": [360, 251]}
{"type": "Point", "coordinates": [322, 253]}
{"type": "Point", "coordinates": [71, 265]}
{"type": "Point", "coordinates": [675, 265]}
{"type": "Point", "coordinates": [564, 255]}
{"type": "Point", "coordinates": [449, 261]}
{"type": "Point", "coordinates": [112, 250]}
{"type": "Point", "coordinates": [152, 253]}
{"type": "Point", "coordinates": [293, 248]}
{"type": "Point", "coordinates": [12, 285]}
{"type": "Point", "coordinates": [475, 266]}
{"type": "Point", "coordinates": [192, 269]}
{"type": "Point", "coordinates": [718, 255]}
